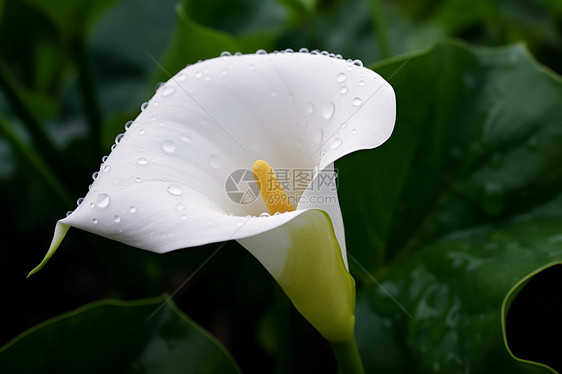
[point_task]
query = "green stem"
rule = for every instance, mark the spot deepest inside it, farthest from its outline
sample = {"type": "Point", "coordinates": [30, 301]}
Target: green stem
{"type": "Point", "coordinates": [380, 28]}
{"type": "Point", "coordinates": [347, 355]}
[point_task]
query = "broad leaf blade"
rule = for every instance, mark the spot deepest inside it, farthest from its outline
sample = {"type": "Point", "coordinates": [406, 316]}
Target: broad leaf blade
{"type": "Point", "coordinates": [460, 204]}
{"type": "Point", "coordinates": [148, 336]}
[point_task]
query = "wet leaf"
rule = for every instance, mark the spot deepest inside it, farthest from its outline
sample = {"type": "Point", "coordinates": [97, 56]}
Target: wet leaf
{"type": "Point", "coordinates": [460, 204]}
{"type": "Point", "coordinates": [145, 336]}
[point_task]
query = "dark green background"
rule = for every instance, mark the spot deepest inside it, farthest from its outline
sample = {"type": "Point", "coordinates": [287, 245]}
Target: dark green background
{"type": "Point", "coordinates": [462, 203]}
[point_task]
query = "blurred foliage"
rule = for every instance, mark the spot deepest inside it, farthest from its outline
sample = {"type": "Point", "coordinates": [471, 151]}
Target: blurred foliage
{"type": "Point", "coordinates": [463, 201]}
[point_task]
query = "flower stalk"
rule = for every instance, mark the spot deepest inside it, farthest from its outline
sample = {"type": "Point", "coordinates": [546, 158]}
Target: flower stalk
{"type": "Point", "coordinates": [347, 356]}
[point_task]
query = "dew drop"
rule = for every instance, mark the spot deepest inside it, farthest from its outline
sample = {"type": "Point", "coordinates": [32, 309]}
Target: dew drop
{"type": "Point", "coordinates": [168, 90]}
{"type": "Point", "coordinates": [79, 201]}
{"type": "Point", "coordinates": [143, 106]}
{"type": "Point", "coordinates": [354, 131]}
{"type": "Point", "coordinates": [142, 161]}
{"type": "Point", "coordinates": [104, 158]}
{"type": "Point", "coordinates": [185, 138]}
{"type": "Point", "coordinates": [340, 77]}
{"type": "Point", "coordinates": [175, 190]}
{"type": "Point", "coordinates": [106, 168]}
{"type": "Point", "coordinates": [92, 205]}
{"type": "Point", "coordinates": [128, 125]}
{"type": "Point", "coordinates": [277, 214]}
{"type": "Point", "coordinates": [180, 206]}
{"type": "Point", "coordinates": [133, 209]}
{"type": "Point", "coordinates": [309, 108]}
{"type": "Point", "coordinates": [328, 110]}
{"type": "Point", "coordinates": [265, 214]}
{"type": "Point", "coordinates": [226, 53]}
{"type": "Point", "coordinates": [303, 50]}
{"type": "Point", "coordinates": [336, 143]}
{"type": "Point", "coordinates": [261, 52]}
{"type": "Point", "coordinates": [215, 161]}
{"type": "Point", "coordinates": [117, 219]}
{"type": "Point", "coordinates": [183, 216]}
{"type": "Point", "coordinates": [358, 63]}
{"type": "Point", "coordinates": [142, 131]}
{"type": "Point", "coordinates": [168, 146]}
{"type": "Point", "coordinates": [356, 101]}
{"type": "Point", "coordinates": [102, 200]}
{"type": "Point", "coordinates": [137, 179]}
{"type": "Point", "coordinates": [68, 213]}
{"type": "Point", "coordinates": [95, 221]}
{"type": "Point", "coordinates": [95, 175]}
{"type": "Point", "coordinates": [180, 77]}
{"type": "Point", "coordinates": [198, 74]}
{"type": "Point", "coordinates": [343, 90]}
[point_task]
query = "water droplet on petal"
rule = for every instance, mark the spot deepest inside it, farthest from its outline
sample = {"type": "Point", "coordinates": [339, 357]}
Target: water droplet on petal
{"type": "Point", "coordinates": [104, 158]}
{"type": "Point", "coordinates": [133, 209]}
{"type": "Point", "coordinates": [358, 63]}
{"type": "Point", "coordinates": [198, 74]}
{"type": "Point", "coordinates": [261, 52]}
{"type": "Point", "coordinates": [354, 131]}
{"type": "Point", "coordinates": [336, 143]}
{"type": "Point", "coordinates": [215, 161]}
{"type": "Point", "coordinates": [142, 161]}
{"type": "Point", "coordinates": [128, 125]}
{"type": "Point", "coordinates": [95, 221]}
{"type": "Point", "coordinates": [168, 146]}
{"type": "Point", "coordinates": [328, 110]}
{"type": "Point", "coordinates": [343, 89]}
{"type": "Point", "coordinates": [168, 90]}
{"type": "Point", "coordinates": [356, 101]}
{"type": "Point", "coordinates": [142, 131]}
{"type": "Point", "coordinates": [226, 53]}
{"type": "Point", "coordinates": [340, 77]}
{"type": "Point", "coordinates": [175, 190]}
{"type": "Point", "coordinates": [265, 214]}
{"type": "Point", "coordinates": [361, 83]}
{"type": "Point", "coordinates": [102, 200]}
{"type": "Point", "coordinates": [68, 213]}
{"type": "Point", "coordinates": [106, 168]}
{"type": "Point", "coordinates": [79, 201]}
{"type": "Point", "coordinates": [117, 219]}
{"type": "Point", "coordinates": [185, 138]}
{"type": "Point", "coordinates": [92, 205]}
{"type": "Point", "coordinates": [309, 108]}
{"type": "Point", "coordinates": [180, 77]}
{"type": "Point", "coordinates": [180, 206]}
{"type": "Point", "coordinates": [138, 179]}
{"type": "Point", "coordinates": [95, 175]}
{"type": "Point", "coordinates": [143, 106]}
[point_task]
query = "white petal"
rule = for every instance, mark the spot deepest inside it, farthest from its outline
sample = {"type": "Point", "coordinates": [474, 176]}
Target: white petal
{"type": "Point", "coordinates": [163, 186]}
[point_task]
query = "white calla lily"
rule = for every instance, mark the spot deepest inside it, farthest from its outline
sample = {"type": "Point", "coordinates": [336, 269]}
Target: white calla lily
{"type": "Point", "coordinates": [162, 187]}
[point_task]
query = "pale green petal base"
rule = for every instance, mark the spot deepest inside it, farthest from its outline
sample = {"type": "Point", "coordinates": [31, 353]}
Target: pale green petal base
{"type": "Point", "coordinates": [60, 232]}
{"type": "Point", "coordinates": [305, 259]}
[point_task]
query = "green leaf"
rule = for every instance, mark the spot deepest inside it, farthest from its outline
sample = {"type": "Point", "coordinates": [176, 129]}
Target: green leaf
{"type": "Point", "coordinates": [192, 42]}
{"type": "Point", "coordinates": [460, 204]}
{"type": "Point", "coordinates": [148, 336]}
